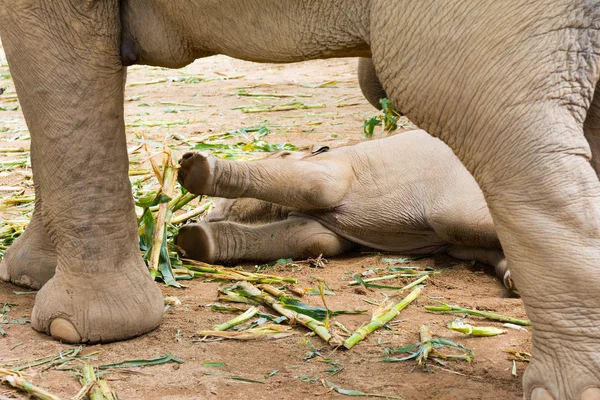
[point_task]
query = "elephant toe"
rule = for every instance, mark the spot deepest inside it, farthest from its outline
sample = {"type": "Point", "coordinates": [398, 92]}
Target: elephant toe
{"type": "Point", "coordinates": [64, 330]}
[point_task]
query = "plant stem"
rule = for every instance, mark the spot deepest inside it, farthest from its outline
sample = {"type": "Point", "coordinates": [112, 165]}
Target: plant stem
{"type": "Point", "coordinates": [449, 308]}
{"type": "Point", "coordinates": [377, 321]}
{"type": "Point", "coordinates": [249, 313]}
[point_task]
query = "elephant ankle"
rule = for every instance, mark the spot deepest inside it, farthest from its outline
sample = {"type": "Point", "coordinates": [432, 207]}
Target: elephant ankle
{"type": "Point", "coordinates": [89, 308]}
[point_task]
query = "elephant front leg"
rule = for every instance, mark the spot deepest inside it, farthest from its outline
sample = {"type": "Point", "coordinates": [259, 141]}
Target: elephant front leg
{"type": "Point", "coordinates": [64, 57]}
{"type": "Point", "coordinates": [544, 197]}
{"type": "Point", "coordinates": [297, 238]}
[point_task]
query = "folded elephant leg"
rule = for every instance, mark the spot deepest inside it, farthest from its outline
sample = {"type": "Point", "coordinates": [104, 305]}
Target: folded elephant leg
{"type": "Point", "coordinates": [296, 238]}
{"type": "Point", "coordinates": [300, 184]}
{"type": "Point", "coordinates": [66, 66]}
{"type": "Point", "coordinates": [31, 260]}
{"type": "Point", "coordinates": [492, 257]}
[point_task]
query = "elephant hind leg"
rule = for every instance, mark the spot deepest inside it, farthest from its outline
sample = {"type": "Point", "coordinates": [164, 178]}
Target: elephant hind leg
{"type": "Point", "coordinates": [297, 238]}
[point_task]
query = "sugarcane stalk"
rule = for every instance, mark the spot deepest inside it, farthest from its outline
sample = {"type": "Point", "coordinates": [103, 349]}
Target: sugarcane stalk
{"type": "Point", "coordinates": [181, 201]}
{"type": "Point", "coordinates": [459, 325]}
{"type": "Point", "coordinates": [190, 214]}
{"type": "Point", "coordinates": [293, 317]}
{"type": "Point", "coordinates": [380, 319]}
{"type": "Point", "coordinates": [88, 375]}
{"type": "Point", "coordinates": [106, 391]}
{"type": "Point", "coordinates": [449, 308]}
{"type": "Point", "coordinates": [167, 187]}
{"type": "Point", "coordinates": [297, 291]}
{"type": "Point", "coordinates": [272, 290]}
{"type": "Point", "coordinates": [16, 381]}
{"type": "Point", "coordinates": [425, 336]}
{"type": "Point", "coordinates": [249, 313]}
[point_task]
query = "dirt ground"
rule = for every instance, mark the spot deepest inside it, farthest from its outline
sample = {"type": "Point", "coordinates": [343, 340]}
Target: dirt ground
{"type": "Point", "coordinates": [182, 110]}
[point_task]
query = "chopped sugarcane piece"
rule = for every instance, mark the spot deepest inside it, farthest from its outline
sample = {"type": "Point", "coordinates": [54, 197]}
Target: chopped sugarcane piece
{"type": "Point", "coordinates": [484, 314]}
{"type": "Point", "coordinates": [249, 313]}
{"type": "Point", "coordinates": [88, 378]}
{"type": "Point", "coordinates": [318, 312]}
{"type": "Point", "coordinates": [385, 313]}
{"type": "Point", "coordinates": [247, 289]}
{"type": "Point", "coordinates": [459, 325]}
{"type": "Point", "coordinates": [15, 380]}
{"type": "Point", "coordinates": [365, 283]}
{"type": "Point", "coordinates": [270, 331]}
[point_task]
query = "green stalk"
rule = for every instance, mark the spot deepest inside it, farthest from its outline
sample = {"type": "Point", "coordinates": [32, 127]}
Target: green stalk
{"type": "Point", "coordinates": [88, 376]}
{"type": "Point", "coordinates": [425, 336]}
{"type": "Point", "coordinates": [17, 382]}
{"type": "Point", "coordinates": [449, 308]}
{"type": "Point", "coordinates": [249, 313]}
{"type": "Point", "coordinates": [182, 200]}
{"type": "Point", "coordinates": [106, 391]}
{"type": "Point", "coordinates": [191, 214]}
{"type": "Point", "coordinates": [294, 318]}
{"type": "Point", "coordinates": [459, 326]}
{"type": "Point", "coordinates": [380, 319]}
{"type": "Point", "coordinates": [169, 178]}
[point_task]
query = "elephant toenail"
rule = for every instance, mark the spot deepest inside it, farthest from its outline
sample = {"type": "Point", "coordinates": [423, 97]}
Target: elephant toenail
{"type": "Point", "coordinates": [590, 394]}
{"type": "Point", "coordinates": [64, 330]}
{"type": "Point", "coordinates": [541, 394]}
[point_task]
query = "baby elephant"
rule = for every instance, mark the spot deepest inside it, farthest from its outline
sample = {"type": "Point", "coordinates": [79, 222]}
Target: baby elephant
{"type": "Point", "coordinates": [406, 193]}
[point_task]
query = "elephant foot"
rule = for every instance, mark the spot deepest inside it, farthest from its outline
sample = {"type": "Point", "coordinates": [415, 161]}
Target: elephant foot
{"type": "Point", "coordinates": [563, 372]}
{"type": "Point", "coordinates": [197, 243]}
{"type": "Point", "coordinates": [98, 308]}
{"type": "Point", "coordinates": [195, 171]}
{"type": "Point", "coordinates": [31, 260]}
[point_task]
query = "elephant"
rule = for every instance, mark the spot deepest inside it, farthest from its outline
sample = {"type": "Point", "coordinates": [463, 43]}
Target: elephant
{"type": "Point", "coordinates": [405, 193]}
{"type": "Point", "coordinates": [510, 87]}
{"type": "Point", "coordinates": [369, 82]}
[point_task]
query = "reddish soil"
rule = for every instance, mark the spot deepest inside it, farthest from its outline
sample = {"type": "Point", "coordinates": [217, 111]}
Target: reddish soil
{"type": "Point", "coordinates": [488, 376]}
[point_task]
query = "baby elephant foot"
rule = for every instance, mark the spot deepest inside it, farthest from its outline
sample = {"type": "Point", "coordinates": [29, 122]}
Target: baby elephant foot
{"type": "Point", "coordinates": [194, 171]}
{"type": "Point", "coordinates": [196, 242]}
{"type": "Point", "coordinates": [31, 260]}
{"type": "Point", "coordinates": [98, 308]}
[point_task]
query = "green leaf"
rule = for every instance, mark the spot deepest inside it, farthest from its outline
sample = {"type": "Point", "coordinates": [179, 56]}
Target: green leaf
{"type": "Point", "coordinates": [152, 200]}
{"type": "Point", "coordinates": [358, 393]}
{"type": "Point", "coordinates": [162, 359]}
{"type": "Point", "coordinates": [319, 312]}
{"type": "Point", "coordinates": [213, 364]}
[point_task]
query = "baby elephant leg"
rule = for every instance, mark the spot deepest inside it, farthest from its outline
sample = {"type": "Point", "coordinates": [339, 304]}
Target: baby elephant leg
{"type": "Point", "coordinates": [300, 184]}
{"type": "Point", "coordinates": [296, 238]}
{"type": "Point", "coordinates": [491, 257]}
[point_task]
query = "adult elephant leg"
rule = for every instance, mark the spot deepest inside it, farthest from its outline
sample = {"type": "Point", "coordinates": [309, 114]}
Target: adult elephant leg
{"type": "Point", "coordinates": [64, 57]}
{"type": "Point", "coordinates": [369, 83]}
{"type": "Point", "coordinates": [591, 129]}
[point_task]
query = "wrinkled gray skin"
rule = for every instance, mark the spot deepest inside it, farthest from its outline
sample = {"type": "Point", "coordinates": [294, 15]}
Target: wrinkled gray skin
{"type": "Point", "coordinates": [407, 193]}
{"type": "Point", "coordinates": [369, 83]}
{"type": "Point", "coordinates": [509, 86]}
